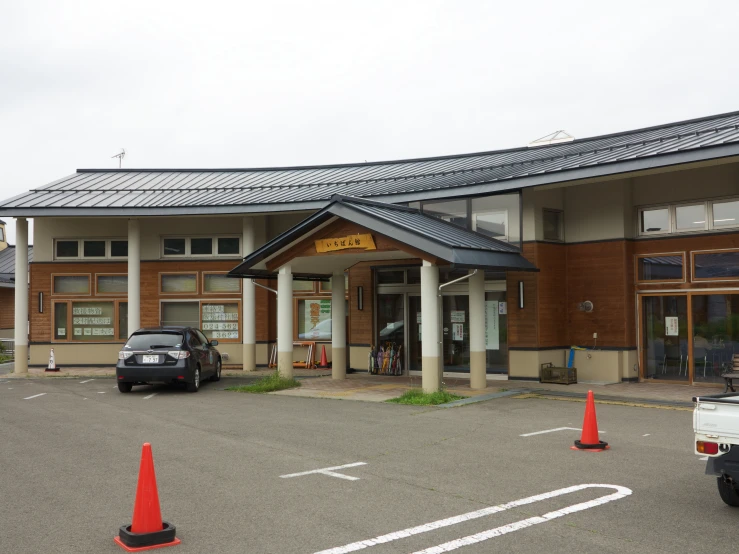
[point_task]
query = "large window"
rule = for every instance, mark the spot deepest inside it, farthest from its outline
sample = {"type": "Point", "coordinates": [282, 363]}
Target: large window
{"type": "Point", "coordinates": [101, 249]}
{"type": "Point", "coordinates": [112, 284]}
{"type": "Point", "coordinates": [90, 321]}
{"type": "Point", "coordinates": [186, 314]}
{"type": "Point", "coordinates": [660, 267]}
{"type": "Point", "coordinates": [179, 283]}
{"type": "Point", "coordinates": [314, 319]}
{"type": "Point", "coordinates": [220, 320]}
{"type": "Point", "coordinates": [219, 283]}
{"type": "Point", "coordinates": [553, 225]}
{"type": "Point", "coordinates": [721, 265]}
{"type": "Point", "coordinates": [201, 246]}
{"type": "Point", "coordinates": [71, 284]}
{"type": "Point", "coordinates": [689, 218]}
{"type": "Point", "coordinates": [453, 211]}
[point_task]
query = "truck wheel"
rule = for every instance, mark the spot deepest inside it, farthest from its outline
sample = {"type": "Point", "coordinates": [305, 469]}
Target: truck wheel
{"type": "Point", "coordinates": [728, 493]}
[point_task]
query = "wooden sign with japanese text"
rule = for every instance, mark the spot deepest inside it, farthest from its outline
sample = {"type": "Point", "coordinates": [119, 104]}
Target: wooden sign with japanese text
{"type": "Point", "coordinates": [365, 242]}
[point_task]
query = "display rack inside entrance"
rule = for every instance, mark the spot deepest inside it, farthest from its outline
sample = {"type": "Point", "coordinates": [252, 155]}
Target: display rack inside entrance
{"type": "Point", "coordinates": [386, 359]}
{"type": "Point", "coordinates": [310, 358]}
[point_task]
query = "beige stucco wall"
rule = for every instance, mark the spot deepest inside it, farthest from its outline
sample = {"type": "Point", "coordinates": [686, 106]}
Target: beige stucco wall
{"type": "Point", "coordinates": [600, 366]}
{"type": "Point", "coordinates": [598, 211]}
{"type": "Point", "coordinates": [3, 237]}
{"type": "Point", "coordinates": [359, 357]}
{"type": "Point", "coordinates": [681, 186]}
{"type": "Point", "coordinates": [526, 363]}
{"type": "Point", "coordinates": [103, 355]}
{"type": "Point", "coordinates": [46, 229]}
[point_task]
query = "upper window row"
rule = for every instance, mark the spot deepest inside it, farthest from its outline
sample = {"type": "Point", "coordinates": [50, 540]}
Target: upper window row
{"type": "Point", "coordinates": [702, 216]}
{"type": "Point", "coordinates": [70, 249]}
{"type": "Point", "coordinates": [201, 246]}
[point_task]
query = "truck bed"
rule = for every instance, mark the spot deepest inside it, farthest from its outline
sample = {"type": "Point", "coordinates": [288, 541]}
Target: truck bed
{"type": "Point", "coordinates": [716, 418]}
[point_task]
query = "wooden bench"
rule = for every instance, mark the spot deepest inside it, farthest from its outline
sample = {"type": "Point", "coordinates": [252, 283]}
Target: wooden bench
{"type": "Point", "coordinates": [729, 376]}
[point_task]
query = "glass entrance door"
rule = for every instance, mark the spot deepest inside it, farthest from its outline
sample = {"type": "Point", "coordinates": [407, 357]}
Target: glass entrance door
{"type": "Point", "coordinates": [715, 335]}
{"type": "Point", "coordinates": [391, 329]}
{"type": "Point", "coordinates": [665, 337]}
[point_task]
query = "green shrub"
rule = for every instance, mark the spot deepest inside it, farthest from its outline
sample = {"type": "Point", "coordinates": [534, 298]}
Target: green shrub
{"type": "Point", "coordinates": [269, 383]}
{"type": "Point", "coordinates": [417, 397]}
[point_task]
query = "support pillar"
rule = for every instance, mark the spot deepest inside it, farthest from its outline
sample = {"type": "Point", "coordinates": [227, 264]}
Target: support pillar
{"type": "Point", "coordinates": [285, 322]}
{"type": "Point", "coordinates": [21, 295]}
{"type": "Point", "coordinates": [248, 303]}
{"type": "Point", "coordinates": [430, 327]}
{"type": "Point", "coordinates": [134, 276]}
{"type": "Point", "coordinates": [338, 327]}
{"type": "Point", "coordinates": [478, 362]}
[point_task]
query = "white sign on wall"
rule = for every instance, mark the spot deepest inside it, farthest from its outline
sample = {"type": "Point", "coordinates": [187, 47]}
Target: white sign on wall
{"type": "Point", "coordinates": [502, 308]}
{"type": "Point", "coordinates": [492, 327]}
{"type": "Point", "coordinates": [457, 316]}
{"type": "Point", "coordinates": [458, 331]}
{"type": "Point", "coordinates": [671, 327]}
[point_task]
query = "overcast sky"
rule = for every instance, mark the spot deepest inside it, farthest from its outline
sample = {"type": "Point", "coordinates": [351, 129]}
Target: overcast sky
{"type": "Point", "coordinates": [251, 83]}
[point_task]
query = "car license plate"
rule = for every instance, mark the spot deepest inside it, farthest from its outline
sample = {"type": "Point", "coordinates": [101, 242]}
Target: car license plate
{"type": "Point", "coordinates": [151, 359]}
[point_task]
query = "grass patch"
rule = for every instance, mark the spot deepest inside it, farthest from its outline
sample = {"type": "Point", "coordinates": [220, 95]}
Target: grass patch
{"type": "Point", "coordinates": [417, 397]}
{"type": "Point", "coordinates": [269, 383]}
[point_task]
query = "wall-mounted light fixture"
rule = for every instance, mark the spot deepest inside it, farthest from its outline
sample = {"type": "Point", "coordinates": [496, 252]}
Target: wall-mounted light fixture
{"type": "Point", "coordinates": [360, 298]}
{"type": "Point", "coordinates": [520, 294]}
{"type": "Point", "coordinates": [40, 302]}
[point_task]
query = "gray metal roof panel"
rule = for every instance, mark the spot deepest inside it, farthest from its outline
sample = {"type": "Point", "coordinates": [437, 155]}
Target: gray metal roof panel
{"type": "Point", "coordinates": [7, 259]}
{"type": "Point", "coordinates": [194, 188]}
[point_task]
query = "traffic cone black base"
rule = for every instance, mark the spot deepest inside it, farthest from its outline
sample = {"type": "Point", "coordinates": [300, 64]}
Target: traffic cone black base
{"type": "Point", "coordinates": [600, 447]}
{"type": "Point", "coordinates": [139, 542]}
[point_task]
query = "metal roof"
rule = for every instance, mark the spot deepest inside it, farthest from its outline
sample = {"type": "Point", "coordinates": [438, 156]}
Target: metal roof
{"type": "Point", "coordinates": [436, 237]}
{"type": "Point", "coordinates": [97, 192]}
{"type": "Point", "coordinates": [7, 263]}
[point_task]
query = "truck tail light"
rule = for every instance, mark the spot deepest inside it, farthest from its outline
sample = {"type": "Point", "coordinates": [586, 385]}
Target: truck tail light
{"type": "Point", "coordinates": [703, 447]}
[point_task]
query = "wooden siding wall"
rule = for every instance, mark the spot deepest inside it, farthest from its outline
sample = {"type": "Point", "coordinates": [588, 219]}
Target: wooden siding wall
{"type": "Point", "coordinates": [7, 308]}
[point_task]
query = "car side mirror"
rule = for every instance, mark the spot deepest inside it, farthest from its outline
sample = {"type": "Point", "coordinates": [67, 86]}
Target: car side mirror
{"type": "Point", "coordinates": [214, 343]}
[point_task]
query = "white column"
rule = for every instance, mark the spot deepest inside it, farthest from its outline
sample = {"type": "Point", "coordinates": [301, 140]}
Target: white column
{"type": "Point", "coordinates": [134, 276]}
{"type": "Point", "coordinates": [285, 322]}
{"type": "Point", "coordinates": [478, 362]}
{"type": "Point", "coordinates": [338, 326]}
{"type": "Point", "coordinates": [430, 327]}
{"type": "Point", "coordinates": [21, 295]}
{"type": "Point", "coordinates": [248, 303]}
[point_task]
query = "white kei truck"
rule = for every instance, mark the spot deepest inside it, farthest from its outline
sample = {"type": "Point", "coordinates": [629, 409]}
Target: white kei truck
{"type": "Point", "coordinates": [716, 427]}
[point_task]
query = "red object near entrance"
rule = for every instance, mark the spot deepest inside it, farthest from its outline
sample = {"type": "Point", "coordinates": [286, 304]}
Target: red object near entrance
{"type": "Point", "coordinates": [589, 439]}
{"type": "Point", "coordinates": [324, 359]}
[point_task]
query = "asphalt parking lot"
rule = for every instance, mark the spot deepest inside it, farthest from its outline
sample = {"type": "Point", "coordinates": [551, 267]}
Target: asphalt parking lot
{"type": "Point", "coordinates": [236, 473]}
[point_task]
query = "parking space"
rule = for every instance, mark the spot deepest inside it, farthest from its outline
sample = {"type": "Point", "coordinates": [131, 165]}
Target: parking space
{"type": "Point", "coordinates": [272, 474]}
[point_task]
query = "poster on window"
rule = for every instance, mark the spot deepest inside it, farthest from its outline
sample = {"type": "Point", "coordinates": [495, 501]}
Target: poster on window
{"type": "Point", "coordinates": [492, 327]}
{"type": "Point", "coordinates": [457, 316]}
{"type": "Point", "coordinates": [458, 331]}
{"type": "Point", "coordinates": [221, 321]}
{"type": "Point", "coordinates": [671, 327]}
{"type": "Point", "coordinates": [317, 320]}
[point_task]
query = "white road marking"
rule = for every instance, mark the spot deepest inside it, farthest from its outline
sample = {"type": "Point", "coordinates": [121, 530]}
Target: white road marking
{"type": "Point", "coordinates": [646, 435]}
{"type": "Point", "coordinates": [10, 388]}
{"type": "Point", "coordinates": [34, 396]}
{"type": "Point", "coordinates": [328, 471]}
{"type": "Point", "coordinates": [101, 392]}
{"type": "Point", "coordinates": [622, 492]}
{"type": "Point", "coordinates": [554, 431]}
{"type": "Point", "coordinates": [147, 397]}
{"type": "Point", "coordinates": [83, 382]}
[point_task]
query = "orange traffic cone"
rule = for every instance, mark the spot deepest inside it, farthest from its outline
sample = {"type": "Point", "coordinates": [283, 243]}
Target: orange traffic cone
{"type": "Point", "coordinates": [147, 531]}
{"type": "Point", "coordinates": [324, 359]}
{"type": "Point", "coordinates": [589, 439]}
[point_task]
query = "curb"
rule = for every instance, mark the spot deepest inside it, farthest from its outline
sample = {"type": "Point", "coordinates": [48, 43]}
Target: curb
{"type": "Point", "coordinates": [482, 398]}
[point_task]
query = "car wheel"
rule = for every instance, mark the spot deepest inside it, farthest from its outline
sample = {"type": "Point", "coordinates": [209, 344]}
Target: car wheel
{"type": "Point", "coordinates": [125, 387]}
{"type": "Point", "coordinates": [195, 385]}
{"type": "Point", "coordinates": [217, 374]}
{"type": "Point", "coordinates": [728, 492]}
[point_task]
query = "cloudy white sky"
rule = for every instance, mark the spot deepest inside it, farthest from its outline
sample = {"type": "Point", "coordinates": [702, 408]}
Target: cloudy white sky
{"type": "Point", "coordinates": [267, 83]}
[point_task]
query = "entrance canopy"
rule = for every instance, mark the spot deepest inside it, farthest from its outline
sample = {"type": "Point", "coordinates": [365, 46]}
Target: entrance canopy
{"type": "Point", "coordinates": [352, 230]}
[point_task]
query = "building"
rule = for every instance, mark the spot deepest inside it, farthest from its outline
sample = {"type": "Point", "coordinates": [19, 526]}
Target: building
{"type": "Point", "coordinates": [8, 284]}
{"type": "Point", "coordinates": [625, 244]}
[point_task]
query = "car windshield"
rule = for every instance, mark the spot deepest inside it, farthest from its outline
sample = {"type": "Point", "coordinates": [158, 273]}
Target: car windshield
{"type": "Point", "coordinates": [148, 341]}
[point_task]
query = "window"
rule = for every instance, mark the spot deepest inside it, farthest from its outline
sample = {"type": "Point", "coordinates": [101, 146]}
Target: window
{"type": "Point", "coordinates": [654, 221]}
{"type": "Point", "coordinates": [89, 248]}
{"type": "Point", "coordinates": [90, 321]}
{"type": "Point", "coordinates": [181, 313]}
{"type": "Point", "coordinates": [123, 320]}
{"type": "Point", "coordinates": [661, 267]}
{"type": "Point", "coordinates": [552, 225]}
{"type": "Point", "coordinates": [220, 320]}
{"type": "Point", "coordinates": [71, 284]}
{"type": "Point", "coordinates": [314, 319]}
{"type": "Point", "coordinates": [327, 286]}
{"type": "Point", "coordinates": [716, 265]}
{"type": "Point", "coordinates": [118, 248]}
{"type": "Point", "coordinates": [497, 216]}
{"type": "Point", "coordinates": [303, 286]}
{"type": "Point", "coordinates": [2, 234]}
{"type": "Point", "coordinates": [67, 248]}
{"type": "Point", "coordinates": [726, 214]}
{"type": "Point", "coordinates": [453, 211]}
{"type": "Point", "coordinates": [201, 246]}
{"type": "Point", "coordinates": [219, 283]}
{"type": "Point", "coordinates": [112, 284]}
{"type": "Point", "coordinates": [60, 321]}
{"type": "Point", "coordinates": [690, 217]}
{"type": "Point", "coordinates": [390, 276]}
{"type": "Point", "coordinates": [179, 283]}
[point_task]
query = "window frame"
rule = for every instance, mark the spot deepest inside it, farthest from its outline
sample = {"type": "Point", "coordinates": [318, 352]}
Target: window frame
{"type": "Point", "coordinates": [473, 223]}
{"type": "Point", "coordinates": [205, 273]}
{"type": "Point", "coordinates": [180, 300]}
{"type": "Point", "coordinates": [188, 246]}
{"type": "Point", "coordinates": [239, 312]}
{"type": "Point", "coordinates": [106, 294]}
{"type": "Point", "coordinates": [638, 281]}
{"type": "Point", "coordinates": [561, 229]}
{"type": "Point", "coordinates": [81, 248]}
{"type": "Point", "coordinates": [296, 324]}
{"type": "Point", "coordinates": [711, 214]}
{"type": "Point", "coordinates": [76, 294]}
{"type": "Point", "coordinates": [2, 234]}
{"type": "Point", "coordinates": [673, 217]}
{"type": "Point", "coordinates": [652, 208]}
{"type": "Point", "coordinates": [709, 226]}
{"type": "Point", "coordinates": [68, 301]}
{"type": "Point", "coordinates": [694, 279]}
{"type": "Point", "coordinates": [186, 293]}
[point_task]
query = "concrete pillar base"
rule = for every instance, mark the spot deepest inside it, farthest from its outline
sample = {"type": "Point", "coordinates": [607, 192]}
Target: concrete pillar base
{"type": "Point", "coordinates": [338, 363]}
{"type": "Point", "coordinates": [285, 364]}
{"type": "Point", "coordinates": [249, 353]}
{"type": "Point", "coordinates": [430, 373]}
{"type": "Point", "coordinates": [21, 359]}
{"type": "Point", "coordinates": [478, 371]}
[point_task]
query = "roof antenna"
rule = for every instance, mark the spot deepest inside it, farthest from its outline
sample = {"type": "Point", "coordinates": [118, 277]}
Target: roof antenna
{"type": "Point", "coordinates": [120, 157]}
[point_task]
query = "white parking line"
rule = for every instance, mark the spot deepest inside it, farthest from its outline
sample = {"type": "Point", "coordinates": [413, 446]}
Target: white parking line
{"type": "Point", "coordinates": [551, 431]}
{"type": "Point", "coordinates": [645, 435]}
{"type": "Point", "coordinates": [150, 396]}
{"type": "Point", "coordinates": [83, 382]}
{"type": "Point", "coordinates": [328, 471]}
{"type": "Point", "coordinates": [101, 392]}
{"type": "Point", "coordinates": [621, 492]}
{"type": "Point", "coordinates": [34, 396]}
